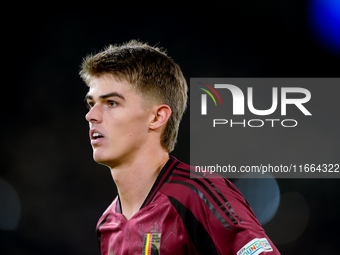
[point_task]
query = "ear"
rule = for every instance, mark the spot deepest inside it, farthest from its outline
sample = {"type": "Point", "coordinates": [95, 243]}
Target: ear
{"type": "Point", "coordinates": [161, 114]}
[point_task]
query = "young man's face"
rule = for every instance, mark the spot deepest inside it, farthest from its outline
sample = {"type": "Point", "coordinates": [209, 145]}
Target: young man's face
{"type": "Point", "coordinates": [119, 121]}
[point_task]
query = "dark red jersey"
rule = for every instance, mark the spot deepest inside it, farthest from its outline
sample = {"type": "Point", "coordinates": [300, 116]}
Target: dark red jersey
{"type": "Point", "coordinates": [185, 215]}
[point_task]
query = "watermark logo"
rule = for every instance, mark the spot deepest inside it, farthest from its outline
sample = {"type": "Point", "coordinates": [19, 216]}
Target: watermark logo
{"type": "Point", "coordinates": [264, 128]}
{"type": "Point", "coordinates": [204, 97]}
{"type": "Point", "coordinates": [239, 99]}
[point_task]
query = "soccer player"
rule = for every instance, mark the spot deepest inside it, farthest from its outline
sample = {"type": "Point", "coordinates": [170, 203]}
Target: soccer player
{"type": "Point", "coordinates": [137, 96]}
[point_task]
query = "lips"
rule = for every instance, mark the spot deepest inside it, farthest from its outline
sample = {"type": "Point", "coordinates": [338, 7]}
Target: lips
{"type": "Point", "coordinates": [96, 136]}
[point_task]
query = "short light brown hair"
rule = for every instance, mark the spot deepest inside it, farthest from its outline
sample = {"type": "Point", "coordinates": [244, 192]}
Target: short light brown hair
{"type": "Point", "coordinates": [150, 72]}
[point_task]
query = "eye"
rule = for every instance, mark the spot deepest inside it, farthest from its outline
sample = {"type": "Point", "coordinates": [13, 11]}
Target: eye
{"type": "Point", "coordinates": [112, 103]}
{"type": "Point", "coordinates": [89, 104]}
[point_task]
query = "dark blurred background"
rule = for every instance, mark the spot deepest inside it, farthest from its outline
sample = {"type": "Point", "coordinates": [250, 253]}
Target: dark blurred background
{"type": "Point", "coordinates": [51, 191]}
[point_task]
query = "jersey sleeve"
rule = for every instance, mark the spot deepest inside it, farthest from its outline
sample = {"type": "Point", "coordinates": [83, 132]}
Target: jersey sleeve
{"type": "Point", "coordinates": [242, 234]}
{"type": "Point", "coordinates": [216, 217]}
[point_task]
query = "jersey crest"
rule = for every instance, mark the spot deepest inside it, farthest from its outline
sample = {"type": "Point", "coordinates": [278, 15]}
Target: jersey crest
{"type": "Point", "coordinates": [151, 244]}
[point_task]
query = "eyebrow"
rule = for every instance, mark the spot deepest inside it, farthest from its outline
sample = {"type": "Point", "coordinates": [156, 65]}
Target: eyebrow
{"type": "Point", "coordinates": [111, 94]}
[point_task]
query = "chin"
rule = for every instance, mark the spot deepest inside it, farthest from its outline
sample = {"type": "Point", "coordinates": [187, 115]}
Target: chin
{"type": "Point", "coordinates": [100, 159]}
{"type": "Point", "coordinates": [103, 160]}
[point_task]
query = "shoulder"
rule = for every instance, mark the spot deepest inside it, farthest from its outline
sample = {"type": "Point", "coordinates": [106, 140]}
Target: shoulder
{"type": "Point", "coordinates": [184, 177]}
{"type": "Point", "coordinates": [212, 210]}
{"type": "Point", "coordinates": [205, 195]}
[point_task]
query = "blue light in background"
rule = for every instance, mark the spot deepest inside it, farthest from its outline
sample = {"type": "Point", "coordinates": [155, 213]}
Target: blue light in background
{"type": "Point", "coordinates": [10, 207]}
{"type": "Point", "coordinates": [325, 23]}
{"type": "Point", "coordinates": [263, 196]}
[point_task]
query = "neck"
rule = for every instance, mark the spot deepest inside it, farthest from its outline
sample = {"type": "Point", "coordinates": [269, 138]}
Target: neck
{"type": "Point", "coordinates": [135, 180]}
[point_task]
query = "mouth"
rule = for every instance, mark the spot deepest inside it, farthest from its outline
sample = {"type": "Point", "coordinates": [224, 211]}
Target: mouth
{"type": "Point", "coordinates": [95, 137]}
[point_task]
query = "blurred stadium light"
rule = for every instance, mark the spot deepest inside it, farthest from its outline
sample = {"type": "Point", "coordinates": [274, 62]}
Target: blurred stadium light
{"type": "Point", "coordinates": [324, 21]}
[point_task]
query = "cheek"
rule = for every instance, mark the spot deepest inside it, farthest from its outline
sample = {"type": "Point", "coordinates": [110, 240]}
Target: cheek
{"type": "Point", "coordinates": [139, 124]}
{"type": "Point", "coordinates": [129, 124]}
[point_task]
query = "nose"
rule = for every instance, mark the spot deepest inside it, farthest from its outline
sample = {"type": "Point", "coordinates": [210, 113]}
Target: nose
{"type": "Point", "coordinates": [94, 115]}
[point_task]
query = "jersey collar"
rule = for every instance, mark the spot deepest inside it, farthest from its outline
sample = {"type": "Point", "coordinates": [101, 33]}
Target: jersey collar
{"type": "Point", "coordinates": [161, 179]}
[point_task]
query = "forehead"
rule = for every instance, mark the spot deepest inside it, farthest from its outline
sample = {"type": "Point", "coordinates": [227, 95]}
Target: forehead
{"type": "Point", "coordinates": [107, 83]}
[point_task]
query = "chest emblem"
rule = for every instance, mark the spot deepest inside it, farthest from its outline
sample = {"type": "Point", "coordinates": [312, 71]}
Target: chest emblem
{"type": "Point", "coordinates": [151, 244]}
